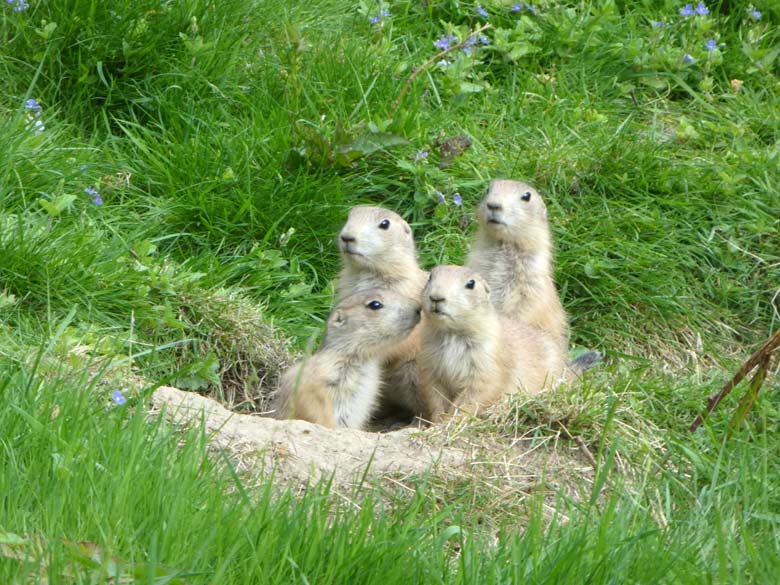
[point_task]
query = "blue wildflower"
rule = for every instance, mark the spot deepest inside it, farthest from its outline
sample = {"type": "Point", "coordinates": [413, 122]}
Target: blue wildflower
{"type": "Point", "coordinates": [444, 63]}
{"type": "Point", "coordinates": [440, 197]}
{"type": "Point", "coordinates": [687, 10]}
{"type": "Point", "coordinates": [688, 59]}
{"type": "Point", "coordinates": [457, 199]}
{"type": "Point", "coordinates": [96, 199]}
{"type": "Point", "coordinates": [517, 7]}
{"type": "Point", "coordinates": [118, 398]}
{"type": "Point", "coordinates": [375, 19]}
{"type": "Point", "coordinates": [711, 45]}
{"type": "Point", "coordinates": [657, 24]}
{"type": "Point", "coordinates": [420, 155]}
{"type": "Point", "coordinates": [19, 5]}
{"type": "Point", "coordinates": [32, 105]}
{"type": "Point", "coordinates": [467, 46]}
{"type": "Point", "coordinates": [531, 8]}
{"type": "Point", "coordinates": [483, 40]}
{"type": "Point", "coordinates": [385, 13]}
{"type": "Point", "coordinates": [38, 127]}
{"type": "Point", "coordinates": [755, 14]}
{"type": "Point", "coordinates": [481, 11]}
{"type": "Point", "coordinates": [701, 9]}
{"type": "Point", "coordinates": [445, 42]}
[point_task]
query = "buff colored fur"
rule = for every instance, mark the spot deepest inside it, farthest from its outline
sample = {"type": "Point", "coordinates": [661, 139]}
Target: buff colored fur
{"type": "Point", "coordinates": [513, 251]}
{"type": "Point", "coordinates": [375, 257]}
{"type": "Point", "coordinates": [339, 385]}
{"type": "Point", "coordinates": [471, 355]}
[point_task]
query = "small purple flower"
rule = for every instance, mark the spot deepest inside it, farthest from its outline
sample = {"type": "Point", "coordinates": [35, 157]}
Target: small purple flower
{"type": "Point", "coordinates": [96, 198]}
{"type": "Point", "coordinates": [445, 42]}
{"type": "Point", "coordinates": [517, 7]}
{"type": "Point", "coordinates": [755, 14]}
{"type": "Point", "coordinates": [440, 197]}
{"type": "Point", "coordinates": [688, 58]}
{"type": "Point", "coordinates": [469, 44]}
{"type": "Point", "coordinates": [701, 9]}
{"type": "Point", "coordinates": [457, 199]}
{"type": "Point", "coordinates": [38, 127]}
{"type": "Point", "coordinates": [375, 19]}
{"type": "Point", "coordinates": [19, 5]}
{"type": "Point", "coordinates": [420, 155]}
{"type": "Point", "coordinates": [32, 105]}
{"type": "Point", "coordinates": [657, 24]}
{"type": "Point", "coordinates": [481, 11]}
{"type": "Point", "coordinates": [444, 63]}
{"type": "Point", "coordinates": [483, 40]}
{"type": "Point", "coordinates": [118, 398]}
{"type": "Point", "coordinates": [385, 13]}
{"type": "Point", "coordinates": [711, 45]}
{"type": "Point", "coordinates": [531, 8]}
{"type": "Point", "coordinates": [83, 168]}
{"type": "Point", "coordinates": [687, 10]}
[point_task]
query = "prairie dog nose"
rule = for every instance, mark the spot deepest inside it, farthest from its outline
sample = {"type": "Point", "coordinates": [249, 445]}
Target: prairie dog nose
{"type": "Point", "coordinates": [493, 206]}
{"type": "Point", "coordinates": [435, 298]}
{"type": "Point", "coordinates": [347, 238]}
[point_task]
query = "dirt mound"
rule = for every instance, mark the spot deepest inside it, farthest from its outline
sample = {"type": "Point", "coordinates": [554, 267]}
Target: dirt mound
{"type": "Point", "coordinates": [301, 452]}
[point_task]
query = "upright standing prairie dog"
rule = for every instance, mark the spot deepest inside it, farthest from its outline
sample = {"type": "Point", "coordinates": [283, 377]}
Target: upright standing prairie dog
{"type": "Point", "coordinates": [470, 354]}
{"type": "Point", "coordinates": [513, 252]}
{"type": "Point", "coordinates": [339, 385]}
{"type": "Point", "coordinates": [378, 250]}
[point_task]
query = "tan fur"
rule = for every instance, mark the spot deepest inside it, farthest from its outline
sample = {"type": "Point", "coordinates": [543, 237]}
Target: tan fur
{"type": "Point", "coordinates": [470, 354]}
{"type": "Point", "coordinates": [387, 258]}
{"type": "Point", "coordinates": [513, 251]}
{"type": "Point", "coordinates": [339, 384]}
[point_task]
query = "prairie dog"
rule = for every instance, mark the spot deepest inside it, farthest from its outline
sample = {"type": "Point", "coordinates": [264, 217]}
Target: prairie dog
{"type": "Point", "coordinates": [378, 250]}
{"type": "Point", "coordinates": [339, 384]}
{"type": "Point", "coordinates": [470, 354]}
{"type": "Point", "coordinates": [513, 252]}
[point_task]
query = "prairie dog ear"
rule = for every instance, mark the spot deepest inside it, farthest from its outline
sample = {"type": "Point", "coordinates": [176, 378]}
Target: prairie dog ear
{"type": "Point", "coordinates": [338, 319]}
{"type": "Point", "coordinates": [407, 229]}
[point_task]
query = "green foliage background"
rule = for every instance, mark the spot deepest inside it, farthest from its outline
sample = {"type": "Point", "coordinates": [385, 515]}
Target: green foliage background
{"type": "Point", "coordinates": [227, 141]}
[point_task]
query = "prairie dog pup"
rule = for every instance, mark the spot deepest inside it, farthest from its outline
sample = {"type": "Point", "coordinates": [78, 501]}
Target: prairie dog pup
{"type": "Point", "coordinates": [378, 251]}
{"type": "Point", "coordinates": [339, 384]}
{"type": "Point", "coordinates": [513, 252]}
{"type": "Point", "coordinates": [471, 355]}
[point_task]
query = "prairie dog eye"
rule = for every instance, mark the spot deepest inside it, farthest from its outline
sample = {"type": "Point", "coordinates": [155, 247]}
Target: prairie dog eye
{"type": "Point", "coordinates": [384, 224]}
{"type": "Point", "coordinates": [526, 196]}
{"type": "Point", "coordinates": [471, 284]}
{"type": "Point", "coordinates": [374, 305]}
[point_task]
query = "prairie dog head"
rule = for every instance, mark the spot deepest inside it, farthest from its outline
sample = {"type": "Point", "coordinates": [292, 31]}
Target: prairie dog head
{"type": "Point", "coordinates": [513, 211]}
{"type": "Point", "coordinates": [456, 298]}
{"type": "Point", "coordinates": [370, 323]}
{"type": "Point", "coordinates": [376, 239]}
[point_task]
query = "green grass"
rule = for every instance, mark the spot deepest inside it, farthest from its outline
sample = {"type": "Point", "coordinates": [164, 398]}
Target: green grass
{"type": "Point", "coordinates": [228, 140]}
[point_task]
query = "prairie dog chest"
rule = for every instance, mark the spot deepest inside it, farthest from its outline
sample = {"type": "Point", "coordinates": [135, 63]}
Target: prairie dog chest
{"type": "Point", "coordinates": [509, 270]}
{"type": "Point", "coordinates": [456, 361]}
{"type": "Point", "coordinates": [354, 390]}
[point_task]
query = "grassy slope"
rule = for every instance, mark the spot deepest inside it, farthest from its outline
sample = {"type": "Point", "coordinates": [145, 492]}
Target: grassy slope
{"type": "Point", "coordinates": [210, 141]}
